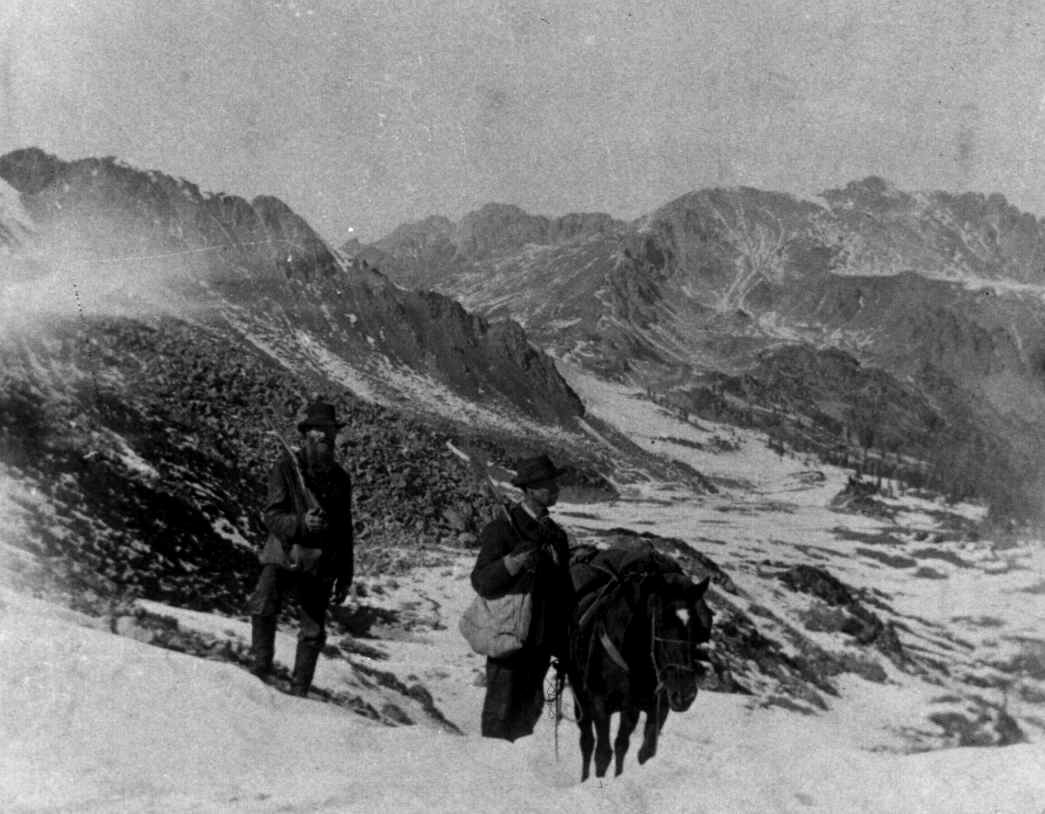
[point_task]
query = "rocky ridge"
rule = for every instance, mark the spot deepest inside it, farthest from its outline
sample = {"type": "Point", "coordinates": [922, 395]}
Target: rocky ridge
{"type": "Point", "coordinates": [257, 263]}
{"type": "Point", "coordinates": [940, 293]}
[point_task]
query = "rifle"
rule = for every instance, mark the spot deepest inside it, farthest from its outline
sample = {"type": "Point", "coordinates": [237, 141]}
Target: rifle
{"type": "Point", "coordinates": [298, 554]}
{"type": "Point", "coordinates": [306, 494]}
{"type": "Point", "coordinates": [479, 467]}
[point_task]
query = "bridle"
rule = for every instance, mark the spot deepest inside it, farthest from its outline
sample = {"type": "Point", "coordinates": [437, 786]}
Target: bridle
{"type": "Point", "coordinates": [658, 671]}
{"type": "Point", "coordinates": [659, 691]}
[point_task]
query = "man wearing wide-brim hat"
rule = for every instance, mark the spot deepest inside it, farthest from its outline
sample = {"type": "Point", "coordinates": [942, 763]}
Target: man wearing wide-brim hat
{"type": "Point", "coordinates": [523, 549]}
{"type": "Point", "coordinates": [309, 552]}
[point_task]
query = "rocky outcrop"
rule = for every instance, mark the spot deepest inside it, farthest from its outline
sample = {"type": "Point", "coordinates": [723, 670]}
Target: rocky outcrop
{"type": "Point", "coordinates": [840, 610]}
{"type": "Point", "coordinates": [425, 253]}
{"type": "Point", "coordinates": [886, 230]}
{"type": "Point", "coordinates": [499, 228]}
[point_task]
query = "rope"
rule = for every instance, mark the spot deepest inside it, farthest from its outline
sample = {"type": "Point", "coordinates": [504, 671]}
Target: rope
{"type": "Point", "coordinates": [658, 691]}
{"type": "Point", "coordinates": [558, 686]}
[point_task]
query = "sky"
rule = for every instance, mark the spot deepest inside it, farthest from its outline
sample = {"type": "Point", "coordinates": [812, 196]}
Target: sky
{"type": "Point", "coordinates": [364, 115]}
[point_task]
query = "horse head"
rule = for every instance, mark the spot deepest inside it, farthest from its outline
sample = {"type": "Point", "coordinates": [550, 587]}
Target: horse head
{"type": "Point", "coordinates": [680, 620]}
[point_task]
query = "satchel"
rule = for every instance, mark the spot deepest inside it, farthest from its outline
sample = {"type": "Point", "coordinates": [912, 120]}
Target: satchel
{"type": "Point", "coordinates": [497, 627]}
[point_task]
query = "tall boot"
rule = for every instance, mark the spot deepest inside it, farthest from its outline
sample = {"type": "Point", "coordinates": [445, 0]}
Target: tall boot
{"type": "Point", "coordinates": [305, 659]}
{"type": "Point", "coordinates": [262, 645]}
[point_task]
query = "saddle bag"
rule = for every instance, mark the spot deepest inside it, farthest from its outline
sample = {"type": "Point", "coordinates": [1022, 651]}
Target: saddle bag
{"type": "Point", "coordinates": [498, 627]}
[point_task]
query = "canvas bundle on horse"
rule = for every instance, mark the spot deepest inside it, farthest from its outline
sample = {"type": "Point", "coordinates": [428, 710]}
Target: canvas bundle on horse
{"type": "Point", "coordinates": [639, 623]}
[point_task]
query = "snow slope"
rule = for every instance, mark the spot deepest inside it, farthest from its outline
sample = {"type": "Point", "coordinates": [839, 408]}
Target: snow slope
{"type": "Point", "coordinates": [97, 722]}
{"type": "Point", "coordinates": [91, 721]}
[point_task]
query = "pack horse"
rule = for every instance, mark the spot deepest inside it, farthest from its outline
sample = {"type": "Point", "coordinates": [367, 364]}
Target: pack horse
{"type": "Point", "coordinates": [639, 624]}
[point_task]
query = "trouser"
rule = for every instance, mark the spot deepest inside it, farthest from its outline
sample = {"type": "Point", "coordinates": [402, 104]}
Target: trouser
{"type": "Point", "coordinates": [312, 594]}
{"type": "Point", "coordinates": [514, 694]}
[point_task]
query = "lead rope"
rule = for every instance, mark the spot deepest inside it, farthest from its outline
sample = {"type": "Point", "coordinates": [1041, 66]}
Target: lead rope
{"type": "Point", "coordinates": [656, 672]}
{"type": "Point", "coordinates": [558, 708]}
{"type": "Point", "coordinates": [559, 686]}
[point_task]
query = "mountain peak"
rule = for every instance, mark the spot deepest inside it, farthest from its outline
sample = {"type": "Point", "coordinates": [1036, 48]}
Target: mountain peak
{"type": "Point", "coordinates": [868, 194]}
{"type": "Point", "coordinates": [113, 209]}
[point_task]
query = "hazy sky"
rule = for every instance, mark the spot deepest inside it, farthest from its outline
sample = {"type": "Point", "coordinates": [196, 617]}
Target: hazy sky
{"type": "Point", "coordinates": [365, 115]}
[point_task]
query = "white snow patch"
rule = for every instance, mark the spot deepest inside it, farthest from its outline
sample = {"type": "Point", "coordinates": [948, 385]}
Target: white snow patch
{"type": "Point", "coordinates": [94, 721]}
{"type": "Point", "coordinates": [337, 367]}
{"type": "Point", "coordinates": [223, 528]}
{"type": "Point", "coordinates": [717, 450]}
{"type": "Point", "coordinates": [132, 460]}
{"type": "Point", "coordinates": [432, 396]}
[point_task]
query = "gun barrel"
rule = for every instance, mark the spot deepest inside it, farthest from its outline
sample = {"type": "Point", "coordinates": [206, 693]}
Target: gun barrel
{"type": "Point", "coordinates": [306, 493]}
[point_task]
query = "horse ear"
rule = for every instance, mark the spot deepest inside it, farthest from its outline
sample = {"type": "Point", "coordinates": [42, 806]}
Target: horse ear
{"type": "Point", "coordinates": [700, 588]}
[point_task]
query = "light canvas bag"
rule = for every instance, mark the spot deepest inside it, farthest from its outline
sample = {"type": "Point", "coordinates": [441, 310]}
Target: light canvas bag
{"type": "Point", "coordinates": [498, 627]}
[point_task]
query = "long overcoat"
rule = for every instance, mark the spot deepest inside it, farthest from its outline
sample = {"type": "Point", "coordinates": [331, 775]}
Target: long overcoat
{"type": "Point", "coordinates": [514, 685]}
{"type": "Point", "coordinates": [284, 515]}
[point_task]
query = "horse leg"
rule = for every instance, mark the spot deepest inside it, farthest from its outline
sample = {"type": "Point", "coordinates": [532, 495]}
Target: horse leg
{"type": "Point", "coordinates": [655, 717]}
{"type": "Point", "coordinates": [603, 750]}
{"type": "Point", "coordinates": [584, 722]}
{"type": "Point", "coordinates": [629, 719]}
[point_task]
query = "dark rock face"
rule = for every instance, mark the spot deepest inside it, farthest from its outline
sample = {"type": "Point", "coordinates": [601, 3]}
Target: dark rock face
{"type": "Point", "coordinates": [433, 334]}
{"type": "Point", "coordinates": [422, 254]}
{"type": "Point", "coordinates": [499, 228]}
{"type": "Point", "coordinates": [856, 620]}
{"type": "Point", "coordinates": [937, 231]}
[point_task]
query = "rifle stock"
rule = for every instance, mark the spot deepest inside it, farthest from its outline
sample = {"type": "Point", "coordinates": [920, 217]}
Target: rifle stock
{"type": "Point", "coordinates": [479, 467]}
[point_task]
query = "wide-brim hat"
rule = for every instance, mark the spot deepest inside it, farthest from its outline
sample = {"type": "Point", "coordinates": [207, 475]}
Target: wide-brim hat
{"type": "Point", "coordinates": [319, 415]}
{"type": "Point", "coordinates": [535, 470]}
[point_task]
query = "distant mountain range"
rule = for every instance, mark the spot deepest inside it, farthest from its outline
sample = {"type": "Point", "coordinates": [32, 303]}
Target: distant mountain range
{"type": "Point", "coordinates": [936, 299]}
{"type": "Point", "coordinates": [903, 334]}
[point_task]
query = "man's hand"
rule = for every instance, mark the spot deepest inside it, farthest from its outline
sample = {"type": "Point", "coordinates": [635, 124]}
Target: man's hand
{"type": "Point", "coordinates": [521, 561]}
{"type": "Point", "coordinates": [315, 520]}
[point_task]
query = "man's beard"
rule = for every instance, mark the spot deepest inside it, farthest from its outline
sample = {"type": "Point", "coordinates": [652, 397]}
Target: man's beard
{"type": "Point", "coordinates": [319, 458]}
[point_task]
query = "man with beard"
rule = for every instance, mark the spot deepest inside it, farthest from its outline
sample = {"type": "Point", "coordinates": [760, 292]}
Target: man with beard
{"type": "Point", "coordinates": [309, 551]}
{"type": "Point", "coordinates": [525, 550]}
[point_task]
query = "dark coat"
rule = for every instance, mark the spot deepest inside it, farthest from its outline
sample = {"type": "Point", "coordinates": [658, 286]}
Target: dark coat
{"type": "Point", "coordinates": [515, 684]}
{"type": "Point", "coordinates": [552, 587]}
{"type": "Point", "coordinates": [285, 509]}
